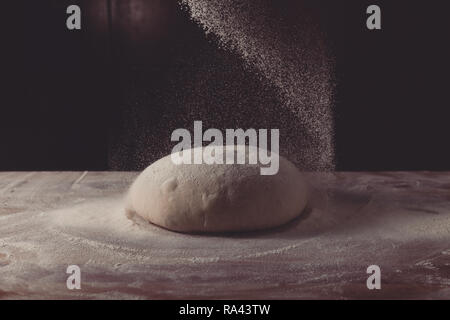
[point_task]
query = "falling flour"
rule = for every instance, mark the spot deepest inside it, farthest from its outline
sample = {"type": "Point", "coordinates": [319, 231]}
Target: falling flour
{"type": "Point", "coordinates": [234, 64]}
{"type": "Point", "coordinates": [293, 58]}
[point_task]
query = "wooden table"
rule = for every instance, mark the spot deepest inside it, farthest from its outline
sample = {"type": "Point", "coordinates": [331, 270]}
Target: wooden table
{"type": "Point", "coordinates": [399, 221]}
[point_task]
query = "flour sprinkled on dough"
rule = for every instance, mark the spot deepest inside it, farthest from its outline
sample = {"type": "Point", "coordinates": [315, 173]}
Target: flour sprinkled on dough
{"type": "Point", "coordinates": [217, 197]}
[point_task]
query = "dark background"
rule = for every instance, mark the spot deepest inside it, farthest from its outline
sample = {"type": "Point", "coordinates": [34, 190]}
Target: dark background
{"type": "Point", "coordinates": [61, 89]}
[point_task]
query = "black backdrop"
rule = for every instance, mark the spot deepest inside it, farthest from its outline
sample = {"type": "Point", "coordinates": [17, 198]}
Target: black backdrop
{"type": "Point", "coordinates": [60, 89]}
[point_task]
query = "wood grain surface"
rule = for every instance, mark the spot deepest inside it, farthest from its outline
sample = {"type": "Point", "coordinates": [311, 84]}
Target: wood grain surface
{"type": "Point", "coordinates": [397, 220]}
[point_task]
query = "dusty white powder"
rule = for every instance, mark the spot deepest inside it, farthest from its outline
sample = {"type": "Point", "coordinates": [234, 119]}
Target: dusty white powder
{"type": "Point", "coordinates": [293, 58]}
{"type": "Point", "coordinates": [398, 220]}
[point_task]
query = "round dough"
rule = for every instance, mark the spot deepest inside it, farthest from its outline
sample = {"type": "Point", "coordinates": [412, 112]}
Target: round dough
{"type": "Point", "coordinates": [217, 197]}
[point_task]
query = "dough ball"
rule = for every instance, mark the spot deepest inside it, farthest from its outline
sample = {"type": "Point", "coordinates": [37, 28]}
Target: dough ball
{"type": "Point", "coordinates": [217, 197]}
